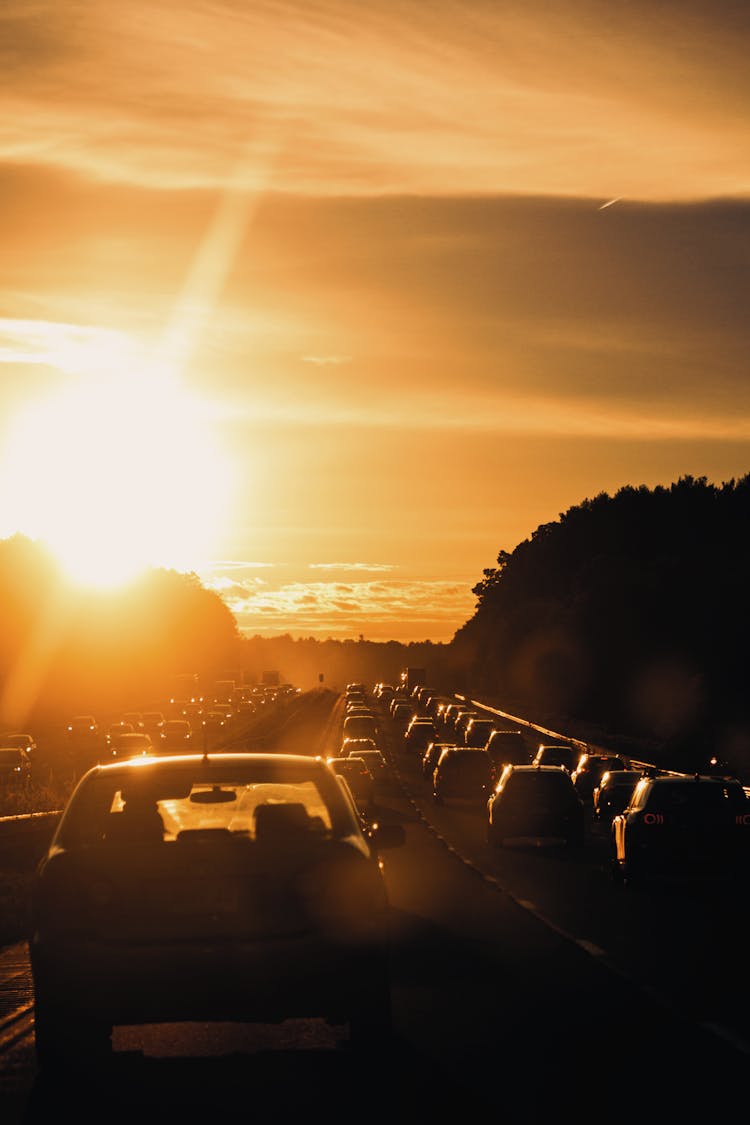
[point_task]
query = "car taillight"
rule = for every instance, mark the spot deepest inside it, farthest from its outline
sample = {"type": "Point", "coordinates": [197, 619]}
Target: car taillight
{"type": "Point", "coordinates": [742, 818]}
{"type": "Point", "coordinates": [653, 818]}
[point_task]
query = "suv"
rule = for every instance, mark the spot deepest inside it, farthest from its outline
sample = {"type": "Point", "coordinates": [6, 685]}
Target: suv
{"type": "Point", "coordinates": [462, 772]}
{"type": "Point", "coordinates": [538, 802]}
{"type": "Point", "coordinates": [478, 731]}
{"type": "Point", "coordinates": [682, 826]}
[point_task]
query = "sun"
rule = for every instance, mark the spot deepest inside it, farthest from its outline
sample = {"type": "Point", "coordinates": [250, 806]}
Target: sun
{"type": "Point", "coordinates": [116, 473]}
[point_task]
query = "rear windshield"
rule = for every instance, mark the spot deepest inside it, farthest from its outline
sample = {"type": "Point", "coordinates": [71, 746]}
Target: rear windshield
{"type": "Point", "coordinates": [537, 784]}
{"type": "Point", "coordinates": [694, 797]}
{"type": "Point", "coordinates": [190, 799]}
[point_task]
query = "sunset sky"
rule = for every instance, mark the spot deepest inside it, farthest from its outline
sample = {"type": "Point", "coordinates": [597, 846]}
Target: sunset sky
{"type": "Point", "coordinates": [331, 301]}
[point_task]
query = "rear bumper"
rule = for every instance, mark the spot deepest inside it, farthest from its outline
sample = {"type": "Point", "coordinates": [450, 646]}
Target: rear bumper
{"type": "Point", "coordinates": [247, 981]}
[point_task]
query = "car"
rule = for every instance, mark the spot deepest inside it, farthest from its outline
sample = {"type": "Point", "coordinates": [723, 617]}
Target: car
{"type": "Point", "coordinates": [358, 776]}
{"type": "Point", "coordinates": [15, 767]}
{"type": "Point", "coordinates": [507, 747]}
{"type": "Point", "coordinates": [238, 887]}
{"type": "Point", "coordinates": [135, 718]}
{"type": "Point", "coordinates": [557, 754]}
{"type": "Point", "coordinates": [431, 756]}
{"type": "Point", "coordinates": [115, 729]}
{"type": "Point", "coordinates": [590, 769]}
{"type": "Point", "coordinates": [153, 721]}
{"type": "Point", "coordinates": [535, 802]}
{"type": "Point", "coordinates": [402, 713]}
{"type": "Point", "coordinates": [678, 827]}
{"type": "Point", "coordinates": [361, 726]}
{"type": "Point", "coordinates": [613, 793]}
{"type": "Point", "coordinates": [214, 721]}
{"type": "Point", "coordinates": [355, 746]}
{"type": "Point", "coordinates": [417, 736]}
{"type": "Point", "coordinates": [462, 773]}
{"type": "Point", "coordinates": [478, 731]}
{"type": "Point", "coordinates": [82, 727]}
{"type": "Point", "coordinates": [25, 742]}
{"type": "Point", "coordinates": [376, 763]}
{"type": "Point", "coordinates": [130, 744]}
{"type": "Point", "coordinates": [176, 734]}
{"type": "Point", "coordinates": [460, 721]}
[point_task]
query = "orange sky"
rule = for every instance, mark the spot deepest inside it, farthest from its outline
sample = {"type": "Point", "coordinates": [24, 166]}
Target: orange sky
{"type": "Point", "coordinates": [363, 250]}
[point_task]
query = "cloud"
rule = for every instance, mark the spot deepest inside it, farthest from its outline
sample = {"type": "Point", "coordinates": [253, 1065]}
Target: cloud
{"type": "Point", "coordinates": [327, 360]}
{"type": "Point", "coordinates": [396, 610]}
{"type": "Point", "coordinates": [374, 567]}
{"type": "Point", "coordinates": [646, 100]}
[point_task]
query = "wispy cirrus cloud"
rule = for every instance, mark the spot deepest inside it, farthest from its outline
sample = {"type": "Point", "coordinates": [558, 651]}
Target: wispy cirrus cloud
{"type": "Point", "coordinates": [327, 360]}
{"type": "Point", "coordinates": [373, 567]}
{"type": "Point", "coordinates": [521, 97]}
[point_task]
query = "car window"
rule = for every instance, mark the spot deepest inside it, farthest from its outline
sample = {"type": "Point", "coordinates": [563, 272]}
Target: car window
{"type": "Point", "coordinates": [187, 799]}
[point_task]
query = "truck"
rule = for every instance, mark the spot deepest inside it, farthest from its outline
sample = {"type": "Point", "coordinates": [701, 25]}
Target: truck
{"type": "Point", "coordinates": [413, 677]}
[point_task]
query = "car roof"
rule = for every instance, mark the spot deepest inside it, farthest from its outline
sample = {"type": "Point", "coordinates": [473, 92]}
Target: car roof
{"type": "Point", "coordinates": [174, 761]}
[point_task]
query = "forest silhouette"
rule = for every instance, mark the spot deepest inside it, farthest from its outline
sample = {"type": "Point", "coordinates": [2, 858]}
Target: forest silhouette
{"type": "Point", "coordinates": [627, 615]}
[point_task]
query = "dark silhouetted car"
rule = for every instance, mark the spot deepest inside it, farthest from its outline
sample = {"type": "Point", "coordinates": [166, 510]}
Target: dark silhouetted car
{"type": "Point", "coordinates": [238, 887]}
{"type": "Point", "coordinates": [130, 744]}
{"type": "Point", "coordinates": [590, 768]}
{"type": "Point", "coordinates": [354, 746]}
{"type": "Point", "coordinates": [613, 793]}
{"type": "Point", "coordinates": [431, 757]}
{"type": "Point", "coordinates": [678, 827]}
{"type": "Point", "coordinates": [15, 767]}
{"type": "Point", "coordinates": [557, 754]}
{"type": "Point", "coordinates": [25, 742]}
{"type": "Point", "coordinates": [177, 735]}
{"type": "Point", "coordinates": [478, 731]}
{"type": "Point", "coordinates": [535, 803]}
{"type": "Point", "coordinates": [507, 747]}
{"type": "Point", "coordinates": [419, 733]}
{"type": "Point", "coordinates": [358, 776]}
{"type": "Point", "coordinates": [462, 773]}
{"type": "Point", "coordinates": [361, 726]}
{"type": "Point", "coordinates": [83, 727]}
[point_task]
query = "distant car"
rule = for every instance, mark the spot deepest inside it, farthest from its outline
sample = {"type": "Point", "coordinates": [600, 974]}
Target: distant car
{"type": "Point", "coordinates": [462, 773]}
{"type": "Point", "coordinates": [478, 731]}
{"type": "Point", "coordinates": [115, 729]}
{"type": "Point", "coordinates": [353, 747]}
{"type": "Point", "coordinates": [292, 919]}
{"type": "Point", "coordinates": [153, 721]}
{"type": "Point", "coordinates": [359, 777]}
{"type": "Point", "coordinates": [590, 769]}
{"type": "Point", "coordinates": [613, 793]}
{"type": "Point", "coordinates": [535, 802]}
{"type": "Point", "coordinates": [83, 727]}
{"type": "Point", "coordinates": [461, 720]}
{"type": "Point", "coordinates": [130, 744]}
{"type": "Point", "coordinates": [20, 741]}
{"type": "Point", "coordinates": [176, 734]}
{"type": "Point", "coordinates": [507, 747]}
{"type": "Point", "coordinates": [402, 713]}
{"type": "Point", "coordinates": [557, 754]}
{"type": "Point", "coordinates": [678, 827]}
{"type": "Point", "coordinates": [361, 726]}
{"type": "Point", "coordinates": [376, 764]}
{"type": "Point", "coordinates": [15, 767]}
{"type": "Point", "coordinates": [215, 721]}
{"type": "Point", "coordinates": [431, 757]}
{"type": "Point", "coordinates": [135, 718]}
{"type": "Point", "coordinates": [419, 733]}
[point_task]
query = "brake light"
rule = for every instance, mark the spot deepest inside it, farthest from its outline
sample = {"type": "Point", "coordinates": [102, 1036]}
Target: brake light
{"type": "Point", "coordinates": [742, 818]}
{"type": "Point", "coordinates": [653, 818]}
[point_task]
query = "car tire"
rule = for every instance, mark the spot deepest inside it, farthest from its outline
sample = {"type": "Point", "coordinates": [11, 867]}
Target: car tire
{"type": "Point", "coordinates": [62, 1041]}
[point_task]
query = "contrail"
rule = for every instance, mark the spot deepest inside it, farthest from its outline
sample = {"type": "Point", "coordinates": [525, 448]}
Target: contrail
{"type": "Point", "coordinates": [610, 202]}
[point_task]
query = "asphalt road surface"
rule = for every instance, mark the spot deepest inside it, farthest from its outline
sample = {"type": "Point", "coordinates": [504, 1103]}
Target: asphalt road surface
{"type": "Point", "coordinates": [525, 989]}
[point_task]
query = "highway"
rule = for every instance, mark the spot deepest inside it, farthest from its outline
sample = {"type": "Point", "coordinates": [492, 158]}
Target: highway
{"type": "Point", "coordinates": [525, 983]}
